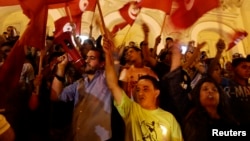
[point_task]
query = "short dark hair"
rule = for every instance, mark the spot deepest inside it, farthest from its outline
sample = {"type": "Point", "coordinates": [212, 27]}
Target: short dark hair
{"type": "Point", "coordinates": [169, 38]}
{"type": "Point", "coordinates": [152, 79]}
{"type": "Point", "coordinates": [101, 52]}
{"type": "Point", "coordinates": [237, 61]}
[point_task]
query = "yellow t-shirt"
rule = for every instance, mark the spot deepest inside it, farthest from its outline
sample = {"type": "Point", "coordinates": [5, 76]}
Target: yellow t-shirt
{"type": "Point", "coordinates": [148, 125]}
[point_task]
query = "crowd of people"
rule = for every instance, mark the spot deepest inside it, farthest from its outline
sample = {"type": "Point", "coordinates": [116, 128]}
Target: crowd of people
{"type": "Point", "coordinates": [126, 93]}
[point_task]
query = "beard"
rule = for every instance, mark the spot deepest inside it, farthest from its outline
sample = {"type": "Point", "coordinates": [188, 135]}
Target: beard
{"type": "Point", "coordinates": [89, 69]}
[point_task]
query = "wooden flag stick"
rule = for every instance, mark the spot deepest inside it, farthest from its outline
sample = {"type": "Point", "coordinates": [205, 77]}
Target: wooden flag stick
{"type": "Point", "coordinates": [103, 26]}
{"type": "Point", "coordinates": [162, 26]}
{"type": "Point", "coordinates": [69, 14]}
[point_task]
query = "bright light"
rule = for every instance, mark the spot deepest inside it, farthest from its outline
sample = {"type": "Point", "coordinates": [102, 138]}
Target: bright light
{"type": "Point", "coordinates": [83, 37]}
{"type": "Point", "coordinates": [183, 49]}
{"type": "Point", "coordinates": [164, 130]}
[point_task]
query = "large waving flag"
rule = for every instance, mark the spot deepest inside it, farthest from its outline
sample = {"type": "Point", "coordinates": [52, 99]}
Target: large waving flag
{"type": "Point", "coordinates": [34, 35]}
{"type": "Point", "coordinates": [236, 38]}
{"type": "Point", "coordinates": [76, 8]}
{"type": "Point", "coordinates": [163, 5]}
{"type": "Point", "coordinates": [8, 2]}
{"type": "Point", "coordinates": [189, 11]}
{"type": "Point", "coordinates": [128, 13]}
{"type": "Point", "coordinates": [37, 12]}
{"type": "Point", "coordinates": [56, 3]}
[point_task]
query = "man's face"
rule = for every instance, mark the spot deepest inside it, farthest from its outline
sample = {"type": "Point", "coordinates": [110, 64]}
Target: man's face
{"type": "Point", "coordinates": [242, 71]}
{"type": "Point", "coordinates": [145, 94]}
{"type": "Point", "coordinates": [92, 62]}
{"type": "Point", "coordinates": [169, 43]}
{"type": "Point", "coordinates": [132, 54]}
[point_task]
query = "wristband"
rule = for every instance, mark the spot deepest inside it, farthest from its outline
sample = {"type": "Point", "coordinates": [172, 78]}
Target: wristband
{"type": "Point", "coordinates": [60, 78]}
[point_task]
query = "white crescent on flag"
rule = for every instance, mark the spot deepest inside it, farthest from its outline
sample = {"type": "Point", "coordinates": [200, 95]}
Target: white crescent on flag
{"type": "Point", "coordinates": [67, 27]}
{"type": "Point", "coordinates": [189, 4]}
{"type": "Point", "coordinates": [133, 11]}
{"type": "Point", "coordinates": [83, 4]}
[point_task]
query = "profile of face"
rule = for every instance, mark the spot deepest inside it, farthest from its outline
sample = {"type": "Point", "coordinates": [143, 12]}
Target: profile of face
{"type": "Point", "coordinates": [209, 95]}
{"type": "Point", "coordinates": [92, 62]}
{"type": "Point", "coordinates": [145, 94]}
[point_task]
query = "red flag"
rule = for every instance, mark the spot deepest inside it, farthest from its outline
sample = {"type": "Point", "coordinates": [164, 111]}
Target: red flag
{"type": "Point", "coordinates": [236, 38]}
{"type": "Point", "coordinates": [53, 4]}
{"type": "Point", "coordinates": [163, 5]}
{"type": "Point", "coordinates": [63, 25]}
{"type": "Point", "coordinates": [34, 35]}
{"type": "Point", "coordinates": [129, 13]}
{"type": "Point", "coordinates": [37, 12]}
{"type": "Point", "coordinates": [9, 2]}
{"type": "Point", "coordinates": [76, 8]}
{"type": "Point", "coordinates": [11, 69]}
{"type": "Point", "coordinates": [189, 11]}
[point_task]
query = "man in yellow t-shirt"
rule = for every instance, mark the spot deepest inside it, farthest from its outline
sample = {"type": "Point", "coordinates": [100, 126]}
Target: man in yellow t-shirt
{"type": "Point", "coordinates": [144, 120]}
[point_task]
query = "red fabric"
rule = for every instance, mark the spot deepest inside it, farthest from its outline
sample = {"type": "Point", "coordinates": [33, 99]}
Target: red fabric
{"type": "Point", "coordinates": [11, 69]}
{"type": "Point", "coordinates": [189, 11]}
{"type": "Point", "coordinates": [35, 33]}
{"type": "Point", "coordinates": [236, 38]}
{"type": "Point", "coordinates": [128, 15]}
{"type": "Point", "coordinates": [53, 4]}
{"type": "Point", "coordinates": [76, 8]}
{"type": "Point", "coordinates": [16, 2]}
{"type": "Point", "coordinates": [8, 2]}
{"type": "Point", "coordinates": [163, 5]}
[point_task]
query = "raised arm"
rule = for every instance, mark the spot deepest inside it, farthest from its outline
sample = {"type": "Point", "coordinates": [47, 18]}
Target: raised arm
{"type": "Point", "coordinates": [194, 56]}
{"type": "Point", "coordinates": [145, 49]}
{"type": "Point", "coordinates": [157, 42]}
{"type": "Point", "coordinates": [220, 45]}
{"type": "Point", "coordinates": [58, 81]}
{"type": "Point", "coordinates": [111, 75]}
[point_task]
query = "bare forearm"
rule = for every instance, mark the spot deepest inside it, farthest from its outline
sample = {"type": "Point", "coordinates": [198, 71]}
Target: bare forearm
{"type": "Point", "coordinates": [112, 79]}
{"type": "Point", "coordinates": [57, 84]}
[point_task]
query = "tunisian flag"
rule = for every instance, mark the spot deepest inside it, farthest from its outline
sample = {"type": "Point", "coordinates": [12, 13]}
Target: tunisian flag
{"type": "Point", "coordinates": [236, 38]}
{"type": "Point", "coordinates": [76, 8]}
{"type": "Point", "coordinates": [189, 11]}
{"type": "Point", "coordinates": [128, 13]}
{"type": "Point", "coordinates": [163, 5]}
{"type": "Point", "coordinates": [8, 2]}
{"type": "Point", "coordinates": [49, 2]}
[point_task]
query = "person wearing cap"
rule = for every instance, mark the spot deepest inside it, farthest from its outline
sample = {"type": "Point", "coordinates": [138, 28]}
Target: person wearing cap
{"type": "Point", "coordinates": [6, 131]}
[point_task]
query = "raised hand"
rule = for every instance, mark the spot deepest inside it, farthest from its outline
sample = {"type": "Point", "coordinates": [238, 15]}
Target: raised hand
{"type": "Point", "coordinates": [220, 45]}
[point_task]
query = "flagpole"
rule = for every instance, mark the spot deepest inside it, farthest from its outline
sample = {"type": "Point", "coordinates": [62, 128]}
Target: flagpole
{"type": "Point", "coordinates": [103, 26]}
{"type": "Point", "coordinates": [73, 27]}
{"type": "Point", "coordinates": [69, 14]}
{"type": "Point", "coordinates": [91, 24]}
{"type": "Point", "coordinates": [126, 35]}
{"type": "Point", "coordinates": [162, 26]}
